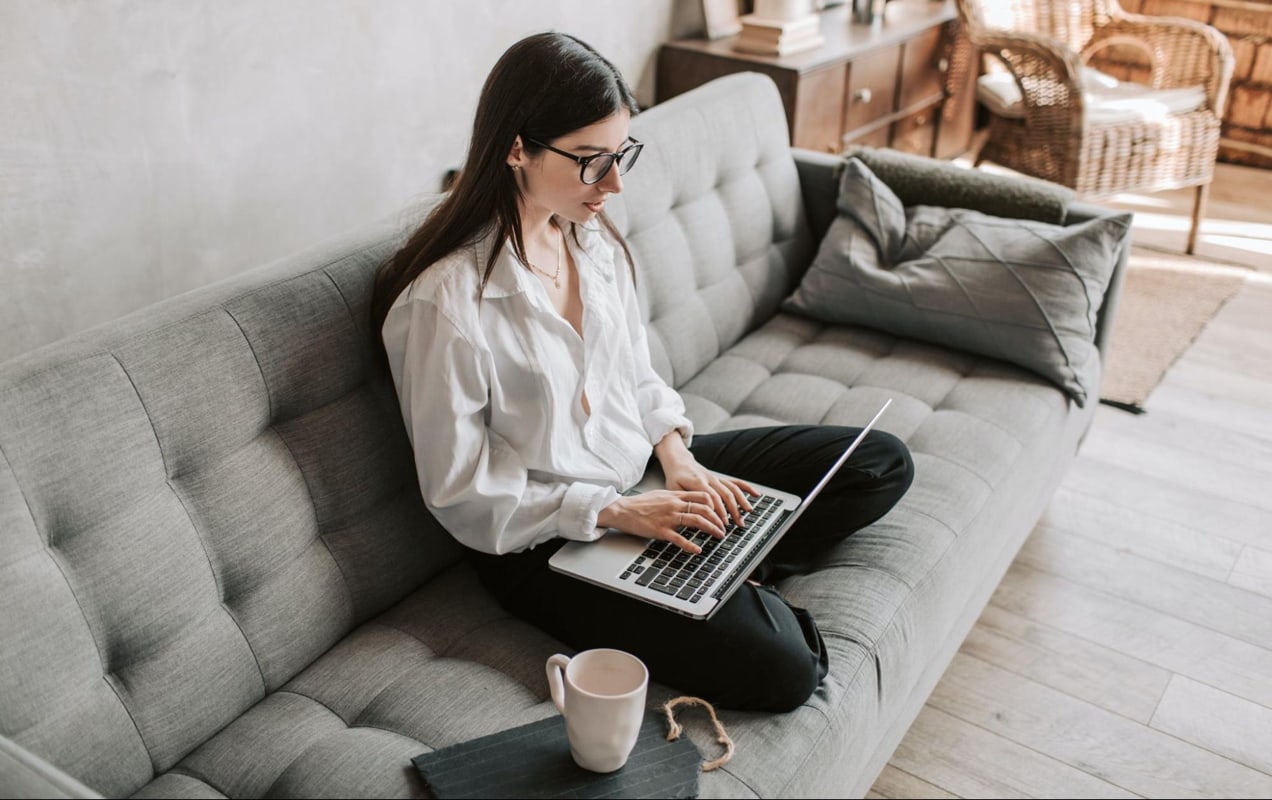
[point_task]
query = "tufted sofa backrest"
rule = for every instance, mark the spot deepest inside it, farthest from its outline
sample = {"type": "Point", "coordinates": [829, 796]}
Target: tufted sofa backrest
{"type": "Point", "coordinates": [195, 502]}
{"type": "Point", "coordinates": [714, 217]}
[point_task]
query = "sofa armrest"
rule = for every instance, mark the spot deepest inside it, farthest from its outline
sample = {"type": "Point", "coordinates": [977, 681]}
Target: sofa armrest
{"type": "Point", "coordinates": [920, 180]}
{"type": "Point", "coordinates": [1081, 212]}
{"type": "Point", "coordinates": [24, 774]}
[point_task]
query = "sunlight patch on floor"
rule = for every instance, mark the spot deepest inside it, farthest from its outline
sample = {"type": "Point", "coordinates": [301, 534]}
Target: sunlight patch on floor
{"type": "Point", "coordinates": [1141, 200]}
{"type": "Point", "coordinates": [1249, 237]}
{"type": "Point", "coordinates": [1261, 246]}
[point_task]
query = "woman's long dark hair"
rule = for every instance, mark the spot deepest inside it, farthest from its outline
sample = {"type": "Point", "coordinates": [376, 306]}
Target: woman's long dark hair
{"type": "Point", "coordinates": [543, 87]}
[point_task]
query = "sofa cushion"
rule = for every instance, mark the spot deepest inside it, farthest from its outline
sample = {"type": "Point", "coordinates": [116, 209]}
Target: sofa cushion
{"type": "Point", "coordinates": [443, 666]}
{"type": "Point", "coordinates": [1023, 291]}
{"type": "Point", "coordinates": [1107, 100]}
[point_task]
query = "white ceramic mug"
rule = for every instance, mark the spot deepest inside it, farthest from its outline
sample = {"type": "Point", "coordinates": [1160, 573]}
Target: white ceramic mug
{"type": "Point", "coordinates": [602, 698]}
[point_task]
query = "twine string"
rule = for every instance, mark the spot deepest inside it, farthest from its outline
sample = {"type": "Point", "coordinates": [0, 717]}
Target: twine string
{"type": "Point", "coordinates": [674, 729]}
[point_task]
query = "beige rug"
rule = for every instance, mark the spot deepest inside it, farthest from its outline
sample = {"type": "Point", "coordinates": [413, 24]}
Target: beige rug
{"type": "Point", "coordinates": [1165, 304]}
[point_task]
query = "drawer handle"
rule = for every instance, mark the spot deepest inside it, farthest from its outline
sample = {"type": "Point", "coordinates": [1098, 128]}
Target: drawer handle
{"type": "Point", "coordinates": [919, 122]}
{"type": "Point", "coordinates": [862, 95]}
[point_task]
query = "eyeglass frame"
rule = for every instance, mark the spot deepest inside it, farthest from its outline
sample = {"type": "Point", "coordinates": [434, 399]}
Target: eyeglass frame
{"type": "Point", "coordinates": [616, 159]}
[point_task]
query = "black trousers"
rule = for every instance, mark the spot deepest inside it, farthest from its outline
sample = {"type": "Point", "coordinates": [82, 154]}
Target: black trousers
{"type": "Point", "coordinates": [757, 652]}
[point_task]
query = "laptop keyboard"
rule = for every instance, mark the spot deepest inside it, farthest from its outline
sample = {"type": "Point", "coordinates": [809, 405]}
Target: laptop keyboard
{"type": "Point", "coordinates": [666, 568]}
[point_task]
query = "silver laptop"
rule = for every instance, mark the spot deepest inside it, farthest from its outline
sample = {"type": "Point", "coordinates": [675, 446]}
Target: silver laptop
{"type": "Point", "coordinates": [695, 585]}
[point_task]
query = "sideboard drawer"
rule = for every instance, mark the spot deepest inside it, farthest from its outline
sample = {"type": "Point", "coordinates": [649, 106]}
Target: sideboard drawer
{"type": "Point", "coordinates": [922, 79]}
{"type": "Point", "coordinates": [878, 136]}
{"type": "Point", "coordinates": [819, 109]}
{"type": "Point", "coordinates": [872, 86]}
{"type": "Point", "coordinates": [917, 132]}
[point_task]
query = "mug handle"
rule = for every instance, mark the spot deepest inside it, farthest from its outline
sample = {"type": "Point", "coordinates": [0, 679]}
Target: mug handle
{"type": "Point", "coordinates": [555, 666]}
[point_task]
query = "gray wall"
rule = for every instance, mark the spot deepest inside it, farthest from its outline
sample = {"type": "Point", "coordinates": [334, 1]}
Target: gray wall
{"type": "Point", "coordinates": [148, 147]}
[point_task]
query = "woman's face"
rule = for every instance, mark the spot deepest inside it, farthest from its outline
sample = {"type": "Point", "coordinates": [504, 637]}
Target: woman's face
{"type": "Point", "coordinates": [550, 181]}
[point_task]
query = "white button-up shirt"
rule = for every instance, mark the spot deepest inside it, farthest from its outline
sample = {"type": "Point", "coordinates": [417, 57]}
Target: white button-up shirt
{"type": "Point", "coordinates": [491, 388]}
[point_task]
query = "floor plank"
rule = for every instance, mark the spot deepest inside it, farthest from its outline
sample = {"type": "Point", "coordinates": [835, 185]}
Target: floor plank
{"type": "Point", "coordinates": [1079, 668]}
{"type": "Point", "coordinates": [1229, 345]}
{"type": "Point", "coordinates": [1221, 412]}
{"type": "Point", "coordinates": [1253, 571]}
{"type": "Point", "coordinates": [1242, 449]}
{"type": "Point", "coordinates": [1145, 535]}
{"type": "Point", "coordinates": [1171, 590]}
{"type": "Point", "coordinates": [1126, 754]}
{"type": "Point", "coordinates": [1254, 390]}
{"type": "Point", "coordinates": [970, 761]}
{"type": "Point", "coordinates": [1191, 469]}
{"type": "Point", "coordinates": [898, 784]}
{"type": "Point", "coordinates": [1217, 721]}
{"type": "Point", "coordinates": [1154, 497]}
{"type": "Point", "coordinates": [1179, 646]}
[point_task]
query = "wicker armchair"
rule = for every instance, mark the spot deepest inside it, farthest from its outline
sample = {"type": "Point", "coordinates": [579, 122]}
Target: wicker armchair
{"type": "Point", "coordinates": [1045, 43]}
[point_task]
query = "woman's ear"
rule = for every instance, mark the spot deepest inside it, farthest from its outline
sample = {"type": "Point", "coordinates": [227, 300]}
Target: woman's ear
{"type": "Point", "coordinates": [517, 155]}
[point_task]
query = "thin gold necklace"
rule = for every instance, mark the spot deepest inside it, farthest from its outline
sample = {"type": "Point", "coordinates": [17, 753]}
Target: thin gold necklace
{"type": "Point", "coordinates": [555, 276]}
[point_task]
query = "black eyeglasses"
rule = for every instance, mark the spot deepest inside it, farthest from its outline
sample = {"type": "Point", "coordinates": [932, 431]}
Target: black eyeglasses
{"type": "Point", "coordinates": [594, 168]}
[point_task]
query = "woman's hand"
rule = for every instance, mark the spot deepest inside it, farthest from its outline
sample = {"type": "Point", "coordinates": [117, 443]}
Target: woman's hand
{"type": "Point", "coordinates": [658, 514]}
{"type": "Point", "coordinates": [684, 473]}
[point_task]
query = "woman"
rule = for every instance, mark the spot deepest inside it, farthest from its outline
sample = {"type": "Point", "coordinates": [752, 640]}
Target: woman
{"type": "Point", "coordinates": [512, 331]}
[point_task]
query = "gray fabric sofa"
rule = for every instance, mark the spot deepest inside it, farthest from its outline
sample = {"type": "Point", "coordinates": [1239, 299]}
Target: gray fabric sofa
{"type": "Point", "coordinates": [217, 577]}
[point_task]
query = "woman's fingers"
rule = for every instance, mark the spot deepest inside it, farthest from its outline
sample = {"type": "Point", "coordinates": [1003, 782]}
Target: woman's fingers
{"type": "Point", "coordinates": [732, 499]}
{"type": "Point", "coordinates": [747, 490]}
{"type": "Point", "coordinates": [719, 510]}
{"type": "Point", "coordinates": [743, 492]}
{"type": "Point", "coordinates": [707, 504]}
{"type": "Point", "coordinates": [682, 542]}
{"type": "Point", "coordinates": [705, 520]}
{"type": "Point", "coordinates": [715, 497]}
{"type": "Point", "coordinates": [698, 510]}
{"type": "Point", "coordinates": [728, 502]}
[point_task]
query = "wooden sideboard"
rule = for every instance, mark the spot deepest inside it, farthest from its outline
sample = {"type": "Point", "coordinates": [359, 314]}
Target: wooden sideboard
{"type": "Point", "coordinates": [902, 82]}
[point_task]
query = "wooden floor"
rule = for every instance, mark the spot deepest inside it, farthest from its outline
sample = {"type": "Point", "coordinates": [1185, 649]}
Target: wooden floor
{"type": "Point", "coordinates": [1128, 651]}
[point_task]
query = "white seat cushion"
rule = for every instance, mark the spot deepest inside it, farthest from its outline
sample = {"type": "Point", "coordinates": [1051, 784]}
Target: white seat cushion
{"type": "Point", "coordinates": [1108, 100]}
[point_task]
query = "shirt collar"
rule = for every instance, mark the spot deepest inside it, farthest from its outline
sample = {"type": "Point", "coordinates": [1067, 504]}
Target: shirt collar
{"type": "Point", "coordinates": [509, 277]}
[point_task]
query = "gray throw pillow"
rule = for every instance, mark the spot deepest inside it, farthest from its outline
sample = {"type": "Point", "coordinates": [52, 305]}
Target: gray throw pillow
{"type": "Point", "coordinates": [1021, 291]}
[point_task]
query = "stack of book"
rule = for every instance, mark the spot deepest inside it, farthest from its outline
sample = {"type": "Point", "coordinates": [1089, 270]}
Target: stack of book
{"type": "Point", "coordinates": [778, 37]}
